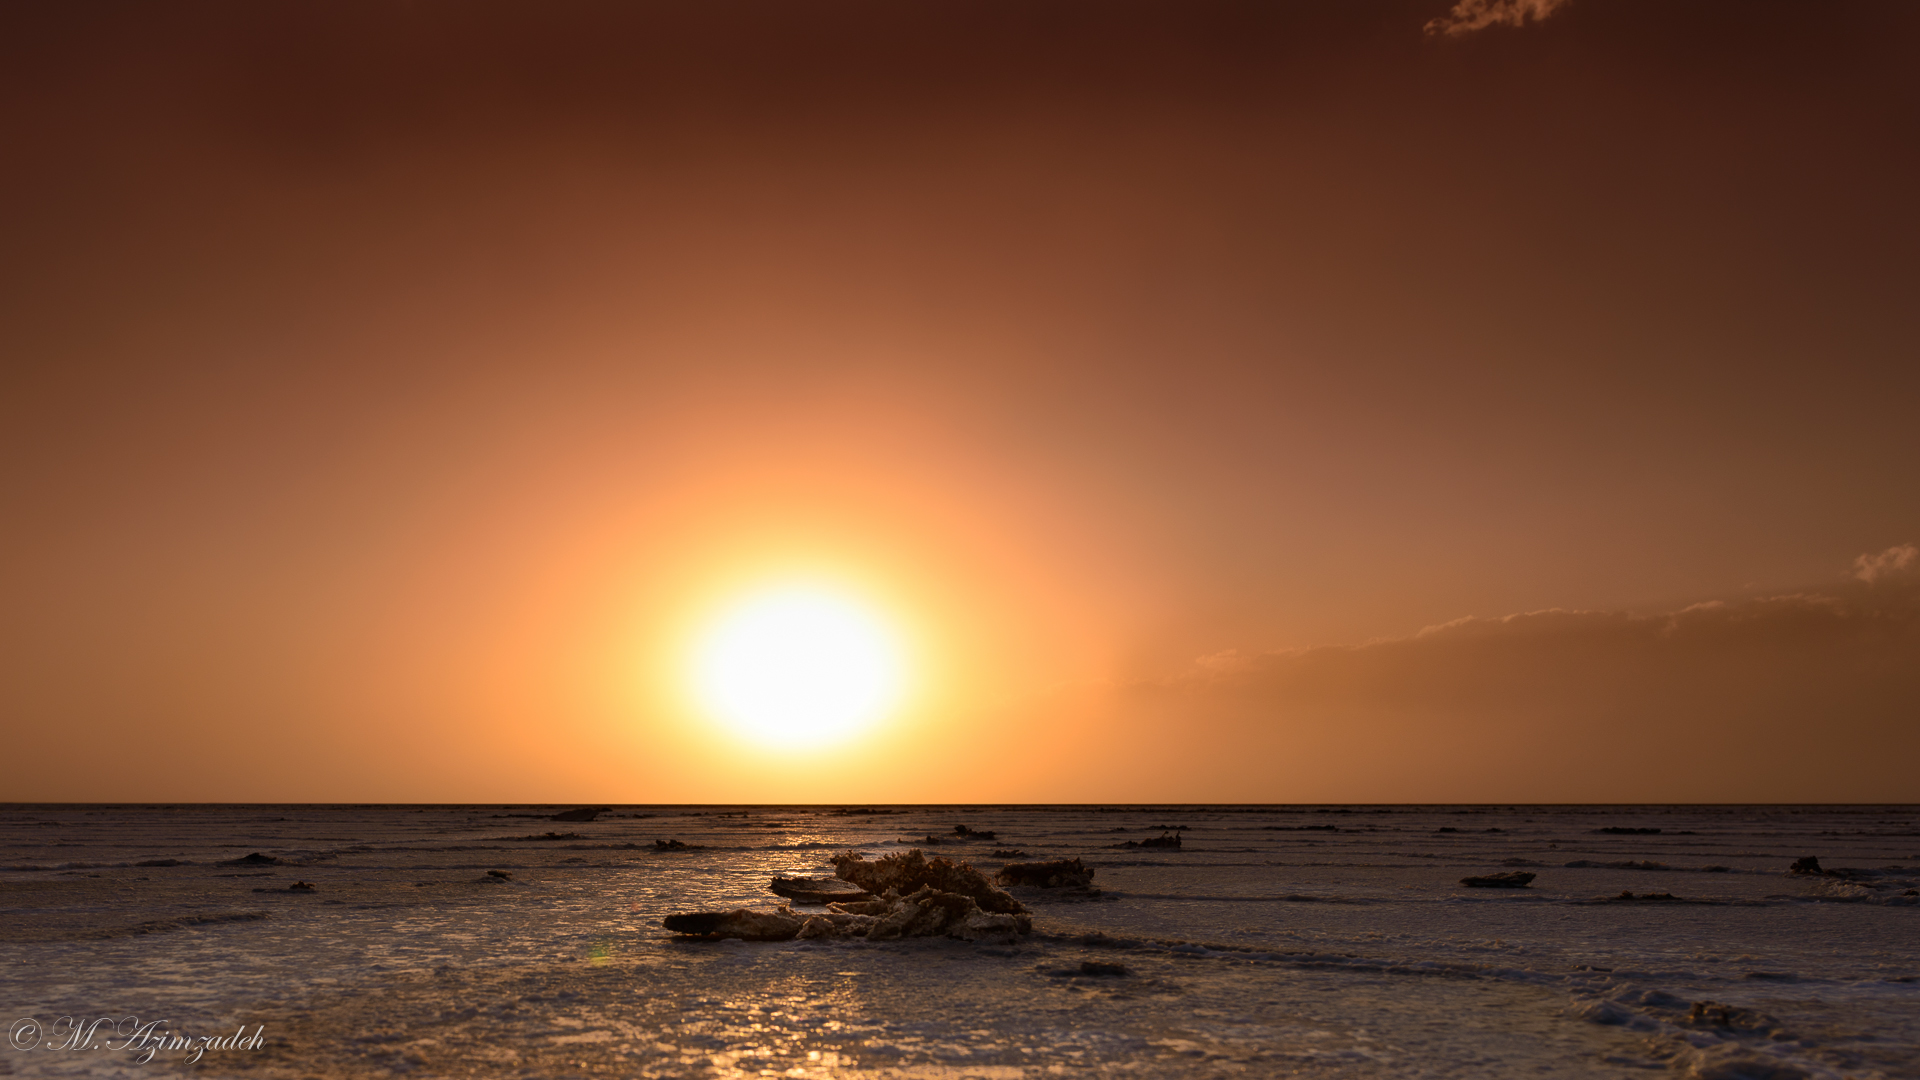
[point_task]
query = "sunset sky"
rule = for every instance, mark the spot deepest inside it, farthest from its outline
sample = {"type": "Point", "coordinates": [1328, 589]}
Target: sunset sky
{"type": "Point", "coordinates": [1333, 401]}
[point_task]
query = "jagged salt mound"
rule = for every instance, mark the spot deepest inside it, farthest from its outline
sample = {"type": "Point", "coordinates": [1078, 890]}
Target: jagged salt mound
{"type": "Point", "coordinates": [928, 912]}
{"type": "Point", "coordinates": [1059, 874]}
{"type": "Point", "coordinates": [915, 897]}
{"type": "Point", "coordinates": [910, 871]}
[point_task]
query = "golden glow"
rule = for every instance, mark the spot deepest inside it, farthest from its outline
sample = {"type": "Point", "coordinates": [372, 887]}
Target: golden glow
{"type": "Point", "coordinates": [798, 666]}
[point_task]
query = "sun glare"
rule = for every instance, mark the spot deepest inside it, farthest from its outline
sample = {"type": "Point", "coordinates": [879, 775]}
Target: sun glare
{"type": "Point", "coordinates": [798, 666]}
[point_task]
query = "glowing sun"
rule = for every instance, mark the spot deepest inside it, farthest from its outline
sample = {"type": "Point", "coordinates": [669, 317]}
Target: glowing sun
{"type": "Point", "coordinates": [798, 666]}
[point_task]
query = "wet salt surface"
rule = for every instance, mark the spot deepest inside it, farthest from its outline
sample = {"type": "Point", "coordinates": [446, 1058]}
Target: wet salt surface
{"type": "Point", "coordinates": [1269, 943]}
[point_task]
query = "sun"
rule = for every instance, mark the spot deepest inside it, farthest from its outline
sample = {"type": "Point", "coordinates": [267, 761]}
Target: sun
{"type": "Point", "coordinates": [798, 666]}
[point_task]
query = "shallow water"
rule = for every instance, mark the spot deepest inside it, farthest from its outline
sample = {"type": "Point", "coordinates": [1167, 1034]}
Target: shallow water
{"type": "Point", "coordinates": [1318, 941]}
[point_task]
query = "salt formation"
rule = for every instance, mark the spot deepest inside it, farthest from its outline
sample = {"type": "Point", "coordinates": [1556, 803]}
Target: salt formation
{"type": "Point", "coordinates": [1855, 884]}
{"type": "Point", "coordinates": [1512, 879]}
{"type": "Point", "coordinates": [927, 912]}
{"type": "Point", "coordinates": [1060, 874]}
{"type": "Point", "coordinates": [906, 872]}
{"type": "Point", "coordinates": [914, 897]}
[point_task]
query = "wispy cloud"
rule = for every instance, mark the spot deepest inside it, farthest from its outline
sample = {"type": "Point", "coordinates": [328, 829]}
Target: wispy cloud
{"type": "Point", "coordinates": [1470, 15]}
{"type": "Point", "coordinates": [1808, 695]}
{"type": "Point", "coordinates": [1894, 560]}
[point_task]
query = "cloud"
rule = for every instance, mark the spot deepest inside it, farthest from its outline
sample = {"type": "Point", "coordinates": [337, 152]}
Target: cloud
{"type": "Point", "coordinates": [1560, 647]}
{"type": "Point", "coordinates": [1805, 696]}
{"type": "Point", "coordinates": [1812, 695]}
{"type": "Point", "coordinates": [1470, 15]}
{"type": "Point", "coordinates": [1894, 560]}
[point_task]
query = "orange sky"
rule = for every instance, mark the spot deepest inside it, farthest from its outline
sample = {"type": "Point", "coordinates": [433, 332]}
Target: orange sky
{"type": "Point", "coordinates": [390, 388]}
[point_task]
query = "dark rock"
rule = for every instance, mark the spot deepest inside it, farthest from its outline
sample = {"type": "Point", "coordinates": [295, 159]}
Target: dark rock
{"type": "Point", "coordinates": [818, 890]}
{"type": "Point", "coordinates": [878, 905]}
{"type": "Point", "coordinates": [585, 814]}
{"type": "Point", "coordinates": [1653, 897]}
{"type": "Point", "coordinates": [743, 923]}
{"type": "Point", "coordinates": [1006, 853]}
{"type": "Point", "coordinates": [161, 862]}
{"type": "Point", "coordinates": [1164, 840]}
{"type": "Point", "coordinates": [500, 875]}
{"type": "Point", "coordinates": [301, 886]}
{"type": "Point", "coordinates": [1622, 830]}
{"type": "Point", "coordinates": [1810, 867]}
{"type": "Point", "coordinates": [1062, 873]}
{"type": "Point", "coordinates": [1101, 967]}
{"type": "Point", "coordinates": [255, 859]}
{"type": "Point", "coordinates": [927, 912]}
{"type": "Point", "coordinates": [1446, 828]}
{"type": "Point", "coordinates": [675, 845]}
{"type": "Point", "coordinates": [973, 834]}
{"type": "Point", "coordinates": [1512, 879]}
